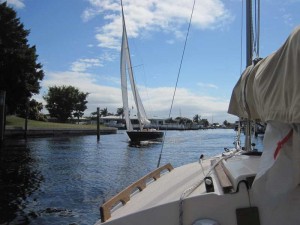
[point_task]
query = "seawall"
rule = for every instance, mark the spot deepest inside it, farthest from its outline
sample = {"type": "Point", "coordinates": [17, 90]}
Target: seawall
{"type": "Point", "coordinates": [47, 132]}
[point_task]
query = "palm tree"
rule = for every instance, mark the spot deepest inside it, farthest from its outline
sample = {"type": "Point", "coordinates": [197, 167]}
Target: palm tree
{"type": "Point", "coordinates": [104, 112]}
{"type": "Point", "coordinates": [196, 118]}
{"type": "Point", "coordinates": [120, 112]}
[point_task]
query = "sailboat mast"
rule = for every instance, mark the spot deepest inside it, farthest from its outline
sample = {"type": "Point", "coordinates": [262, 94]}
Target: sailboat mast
{"type": "Point", "coordinates": [249, 55]}
{"type": "Point", "coordinates": [249, 35]}
{"type": "Point", "coordinates": [133, 86]}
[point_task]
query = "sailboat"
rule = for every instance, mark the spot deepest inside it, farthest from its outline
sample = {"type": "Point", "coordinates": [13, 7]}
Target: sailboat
{"type": "Point", "coordinates": [237, 187]}
{"type": "Point", "coordinates": [136, 136]}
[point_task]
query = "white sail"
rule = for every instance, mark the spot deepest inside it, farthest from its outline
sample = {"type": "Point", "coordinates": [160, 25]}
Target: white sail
{"type": "Point", "coordinates": [127, 66]}
{"type": "Point", "coordinates": [124, 79]}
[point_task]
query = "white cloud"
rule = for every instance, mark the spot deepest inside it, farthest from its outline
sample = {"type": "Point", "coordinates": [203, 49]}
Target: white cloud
{"type": "Point", "coordinates": [88, 14]}
{"type": "Point", "coordinates": [170, 42]}
{"type": "Point", "coordinates": [207, 85]}
{"type": "Point", "coordinates": [145, 15]}
{"type": "Point", "coordinates": [17, 3]}
{"type": "Point", "coordinates": [99, 95]}
{"type": "Point", "coordinates": [97, 7]}
{"type": "Point", "coordinates": [81, 65]}
{"type": "Point", "coordinates": [287, 17]}
{"type": "Point", "coordinates": [157, 101]}
{"type": "Point", "coordinates": [106, 41]}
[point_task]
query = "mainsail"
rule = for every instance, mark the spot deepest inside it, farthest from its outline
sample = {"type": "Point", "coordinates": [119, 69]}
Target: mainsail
{"type": "Point", "coordinates": [126, 66]}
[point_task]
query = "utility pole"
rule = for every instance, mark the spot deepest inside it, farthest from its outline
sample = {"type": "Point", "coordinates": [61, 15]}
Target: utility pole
{"type": "Point", "coordinates": [98, 124]}
{"type": "Point", "coordinates": [26, 119]}
{"type": "Point", "coordinates": [2, 115]}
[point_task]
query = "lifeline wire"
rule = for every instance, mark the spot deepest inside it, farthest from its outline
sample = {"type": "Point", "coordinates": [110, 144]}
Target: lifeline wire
{"type": "Point", "coordinates": [186, 37]}
{"type": "Point", "coordinates": [190, 190]}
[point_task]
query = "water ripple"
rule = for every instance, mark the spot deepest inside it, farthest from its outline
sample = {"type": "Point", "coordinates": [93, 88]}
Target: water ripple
{"type": "Point", "coordinates": [64, 180]}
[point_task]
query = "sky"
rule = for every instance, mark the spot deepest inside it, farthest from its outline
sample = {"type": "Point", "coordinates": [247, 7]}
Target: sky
{"type": "Point", "coordinates": [79, 41]}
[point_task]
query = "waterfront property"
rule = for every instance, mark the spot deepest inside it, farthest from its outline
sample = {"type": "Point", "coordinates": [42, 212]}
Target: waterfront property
{"type": "Point", "coordinates": [155, 123]}
{"type": "Point", "coordinates": [17, 127]}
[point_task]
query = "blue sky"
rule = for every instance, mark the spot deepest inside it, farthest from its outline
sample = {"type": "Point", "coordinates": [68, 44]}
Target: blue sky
{"type": "Point", "coordinates": [78, 43]}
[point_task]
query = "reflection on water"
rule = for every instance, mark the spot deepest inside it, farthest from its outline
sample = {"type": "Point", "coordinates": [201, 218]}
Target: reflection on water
{"type": "Point", "coordinates": [64, 180]}
{"type": "Point", "coordinates": [18, 180]}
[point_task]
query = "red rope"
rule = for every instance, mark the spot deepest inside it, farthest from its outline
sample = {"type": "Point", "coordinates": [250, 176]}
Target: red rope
{"type": "Point", "coordinates": [282, 142]}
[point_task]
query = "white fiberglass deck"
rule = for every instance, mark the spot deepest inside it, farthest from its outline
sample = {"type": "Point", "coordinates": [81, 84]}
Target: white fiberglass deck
{"type": "Point", "coordinates": [158, 203]}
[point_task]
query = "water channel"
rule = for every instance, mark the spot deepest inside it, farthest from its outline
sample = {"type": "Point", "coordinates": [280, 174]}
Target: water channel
{"type": "Point", "coordinates": [64, 180]}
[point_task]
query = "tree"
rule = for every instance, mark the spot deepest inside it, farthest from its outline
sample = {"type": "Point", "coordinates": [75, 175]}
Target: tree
{"type": "Point", "coordinates": [183, 120]}
{"type": "Point", "coordinates": [120, 112]}
{"type": "Point", "coordinates": [104, 112]}
{"type": "Point", "coordinates": [80, 106]}
{"type": "Point", "coordinates": [94, 114]}
{"type": "Point", "coordinates": [34, 111]}
{"type": "Point", "coordinates": [204, 122]}
{"type": "Point", "coordinates": [65, 101]}
{"type": "Point", "coordinates": [20, 74]}
{"type": "Point", "coordinates": [196, 118]}
{"type": "Point", "coordinates": [225, 123]}
{"type": "Point", "coordinates": [170, 120]}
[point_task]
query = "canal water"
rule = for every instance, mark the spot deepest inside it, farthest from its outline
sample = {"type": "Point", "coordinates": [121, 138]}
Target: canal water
{"type": "Point", "coordinates": [64, 180]}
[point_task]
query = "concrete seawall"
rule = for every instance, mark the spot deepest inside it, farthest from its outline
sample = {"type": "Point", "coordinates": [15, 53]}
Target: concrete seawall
{"type": "Point", "coordinates": [19, 132]}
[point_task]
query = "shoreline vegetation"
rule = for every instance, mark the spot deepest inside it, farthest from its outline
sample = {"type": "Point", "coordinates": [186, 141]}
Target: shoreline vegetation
{"type": "Point", "coordinates": [15, 127]}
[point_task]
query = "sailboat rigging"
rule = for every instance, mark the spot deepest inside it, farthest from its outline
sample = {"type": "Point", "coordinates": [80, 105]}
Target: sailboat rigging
{"type": "Point", "coordinates": [136, 136]}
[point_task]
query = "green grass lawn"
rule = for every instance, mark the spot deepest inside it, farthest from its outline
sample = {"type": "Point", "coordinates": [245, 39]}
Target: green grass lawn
{"type": "Point", "coordinates": [14, 122]}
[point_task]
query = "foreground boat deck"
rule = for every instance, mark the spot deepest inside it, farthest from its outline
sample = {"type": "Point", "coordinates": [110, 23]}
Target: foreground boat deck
{"type": "Point", "coordinates": [162, 197]}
